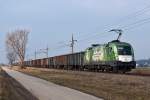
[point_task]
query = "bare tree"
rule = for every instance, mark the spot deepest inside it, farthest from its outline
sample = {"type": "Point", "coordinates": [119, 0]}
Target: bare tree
{"type": "Point", "coordinates": [11, 56]}
{"type": "Point", "coordinates": [17, 41]}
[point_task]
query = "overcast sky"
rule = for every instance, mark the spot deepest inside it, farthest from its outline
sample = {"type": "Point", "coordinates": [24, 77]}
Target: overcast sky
{"type": "Point", "coordinates": [52, 23]}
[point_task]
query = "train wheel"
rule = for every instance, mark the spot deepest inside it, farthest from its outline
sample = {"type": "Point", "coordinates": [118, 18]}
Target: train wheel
{"type": "Point", "coordinates": [115, 69]}
{"type": "Point", "coordinates": [102, 69]}
{"type": "Point", "coordinates": [107, 69]}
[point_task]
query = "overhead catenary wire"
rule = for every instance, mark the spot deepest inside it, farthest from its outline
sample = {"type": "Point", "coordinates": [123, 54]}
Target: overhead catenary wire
{"type": "Point", "coordinates": [86, 37]}
{"type": "Point", "coordinates": [127, 27]}
{"type": "Point", "coordinates": [133, 15]}
{"type": "Point", "coordinates": [137, 22]}
{"type": "Point", "coordinates": [136, 25]}
{"type": "Point", "coordinates": [138, 13]}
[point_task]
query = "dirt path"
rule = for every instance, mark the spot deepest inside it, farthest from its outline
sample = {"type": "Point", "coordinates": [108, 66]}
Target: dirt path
{"type": "Point", "coordinates": [44, 90]}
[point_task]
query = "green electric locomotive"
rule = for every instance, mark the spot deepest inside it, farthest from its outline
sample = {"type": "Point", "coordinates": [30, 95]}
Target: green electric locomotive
{"type": "Point", "coordinates": [114, 56]}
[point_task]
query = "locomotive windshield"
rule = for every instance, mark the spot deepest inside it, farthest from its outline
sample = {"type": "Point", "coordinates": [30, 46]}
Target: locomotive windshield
{"type": "Point", "coordinates": [124, 50]}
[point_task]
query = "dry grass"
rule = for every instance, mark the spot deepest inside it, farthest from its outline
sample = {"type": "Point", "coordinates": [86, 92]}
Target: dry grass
{"type": "Point", "coordinates": [107, 86]}
{"type": "Point", "coordinates": [12, 90]}
{"type": "Point", "coordinates": [142, 71]}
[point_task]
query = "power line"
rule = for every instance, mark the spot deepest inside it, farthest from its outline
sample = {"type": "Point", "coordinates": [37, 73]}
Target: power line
{"type": "Point", "coordinates": [140, 12]}
{"type": "Point", "coordinates": [137, 22]}
{"type": "Point", "coordinates": [87, 36]}
{"type": "Point", "coordinates": [127, 27]}
{"type": "Point", "coordinates": [124, 27]}
{"type": "Point", "coordinates": [90, 37]}
{"type": "Point", "coordinates": [133, 15]}
{"type": "Point", "coordinates": [136, 25]}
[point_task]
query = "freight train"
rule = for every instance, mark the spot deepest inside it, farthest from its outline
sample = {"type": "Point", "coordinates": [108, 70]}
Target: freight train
{"type": "Point", "coordinates": [115, 56]}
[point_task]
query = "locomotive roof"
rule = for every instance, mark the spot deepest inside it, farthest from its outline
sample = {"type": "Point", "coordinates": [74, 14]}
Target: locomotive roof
{"type": "Point", "coordinates": [112, 42]}
{"type": "Point", "coordinates": [118, 42]}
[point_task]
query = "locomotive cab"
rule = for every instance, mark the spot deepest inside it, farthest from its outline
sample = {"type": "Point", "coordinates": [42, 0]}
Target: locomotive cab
{"type": "Point", "coordinates": [124, 55]}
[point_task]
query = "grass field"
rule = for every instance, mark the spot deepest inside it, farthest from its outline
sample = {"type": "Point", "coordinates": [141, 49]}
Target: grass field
{"type": "Point", "coordinates": [103, 85]}
{"type": "Point", "coordinates": [142, 71]}
{"type": "Point", "coordinates": [12, 90]}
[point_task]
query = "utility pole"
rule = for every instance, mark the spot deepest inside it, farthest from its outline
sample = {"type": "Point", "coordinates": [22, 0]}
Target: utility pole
{"type": "Point", "coordinates": [27, 57]}
{"type": "Point", "coordinates": [45, 51]}
{"type": "Point", "coordinates": [72, 44]}
{"type": "Point", "coordinates": [35, 54]}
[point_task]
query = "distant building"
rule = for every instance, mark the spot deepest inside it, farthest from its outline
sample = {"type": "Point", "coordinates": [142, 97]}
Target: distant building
{"type": "Point", "coordinates": [143, 63]}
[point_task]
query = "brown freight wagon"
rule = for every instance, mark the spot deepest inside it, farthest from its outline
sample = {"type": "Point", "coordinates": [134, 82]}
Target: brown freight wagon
{"type": "Point", "coordinates": [69, 61]}
{"type": "Point", "coordinates": [75, 60]}
{"type": "Point", "coordinates": [44, 62]}
{"type": "Point", "coordinates": [60, 61]}
{"type": "Point", "coordinates": [33, 63]}
{"type": "Point", "coordinates": [51, 62]}
{"type": "Point", "coordinates": [29, 64]}
{"type": "Point", "coordinates": [38, 63]}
